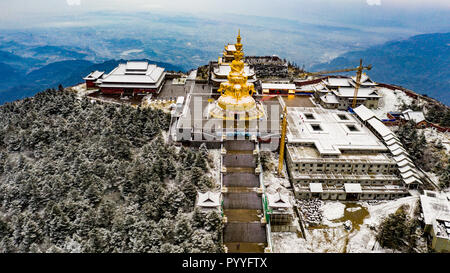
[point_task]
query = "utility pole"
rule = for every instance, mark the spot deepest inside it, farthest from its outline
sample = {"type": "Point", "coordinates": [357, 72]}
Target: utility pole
{"type": "Point", "coordinates": [282, 141]}
{"type": "Point", "coordinates": [358, 82]}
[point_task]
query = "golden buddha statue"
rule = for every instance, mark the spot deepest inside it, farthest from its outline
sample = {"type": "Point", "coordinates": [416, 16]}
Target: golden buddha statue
{"type": "Point", "coordinates": [236, 99]}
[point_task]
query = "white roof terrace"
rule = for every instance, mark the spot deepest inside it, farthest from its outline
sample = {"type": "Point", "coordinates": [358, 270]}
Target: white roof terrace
{"type": "Point", "coordinates": [134, 73]}
{"type": "Point", "coordinates": [330, 131]}
{"type": "Point", "coordinates": [364, 113]}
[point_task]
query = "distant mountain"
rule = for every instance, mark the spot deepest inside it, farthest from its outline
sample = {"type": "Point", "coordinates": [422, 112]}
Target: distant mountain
{"type": "Point", "coordinates": [420, 63]}
{"type": "Point", "coordinates": [9, 76]}
{"type": "Point", "coordinates": [17, 85]}
{"type": "Point", "coordinates": [18, 62]}
{"type": "Point", "coordinates": [47, 52]}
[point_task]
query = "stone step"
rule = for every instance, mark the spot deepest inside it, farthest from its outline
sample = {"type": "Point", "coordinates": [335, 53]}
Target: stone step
{"type": "Point", "coordinates": [245, 247]}
{"type": "Point", "coordinates": [243, 215]}
{"type": "Point", "coordinates": [240, 179]}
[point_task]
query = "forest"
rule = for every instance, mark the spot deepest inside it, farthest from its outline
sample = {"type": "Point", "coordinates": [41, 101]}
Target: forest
{"type": "Point", "coordinates": [83, 176]}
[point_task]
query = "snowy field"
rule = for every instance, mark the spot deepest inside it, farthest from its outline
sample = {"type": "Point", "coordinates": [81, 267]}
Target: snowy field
{"type": "Point", "coordinates": [433, 135]}
{"type": "Point", "coordinates": [390, 101]}
{"type": "Point", "coordinates": [331, 235]}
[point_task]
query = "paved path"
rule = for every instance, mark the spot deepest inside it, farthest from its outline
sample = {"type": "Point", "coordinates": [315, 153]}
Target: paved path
{"type": "Point", "coordinates": [242, 205]}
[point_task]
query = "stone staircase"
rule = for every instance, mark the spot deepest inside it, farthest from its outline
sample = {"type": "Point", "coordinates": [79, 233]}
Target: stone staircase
{"type": "Point", "coordinates": [244, 230]}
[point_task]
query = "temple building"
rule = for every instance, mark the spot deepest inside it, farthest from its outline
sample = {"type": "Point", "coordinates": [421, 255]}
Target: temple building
{"type": "Point", "coordinates": [92, 78]}
{"type": "Point", "coordinates": [332, 155]}
{"type": "Point", "coordinates": [220, 71]}
{"type": "Point", "coordinates": [436, 217]}
{"type": "Point", "coordinates": [228, 54]}
{"type": "Point", "coordinates": [238, 112]}
{"type": "Point", "coordinates": [133, 78]}
{"type": "Point", "coordinates": [278, 88]}
{"type": "Point", "coordinates": [209, 201]}
{"type": "Point", "coordinates": [236, 101]}
{"type": "Point", "coordinates": [338, 92]}
{"type": "Point", "coordinates": [280, 209]}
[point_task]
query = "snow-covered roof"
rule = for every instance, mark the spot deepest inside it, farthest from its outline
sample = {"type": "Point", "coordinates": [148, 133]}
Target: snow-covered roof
{"type": "Point", "coordinates": [95, 75]}
{"type": "Point", "coordinates": [411, 180]}
{"type": "Point", "coordinates": [364, 113]}
{"type": "Point", "coordinates": [136, 66]}
{"type": "Point", "coordinates": [408, 174]}
{"type": "Point", "coordinates": [379, 127]}
{"type": "Point", "coordinates": [392, 141]}
{"type": "Point", "coordinates": [208, 199]}
{"type": "Point", "coordinates": [329, 98]}
{"type": "Point", "coordinates": [230, 47]}
{"type": "Point", "coordinates": [389, 137]}
{"type": "Point", "coordinates": [434, 204]}
{"type": "Point", "coordinates": [349, 92]}
{"type": "Point", "coordinates": [404, 162]}
{"type": "Point", "coordinates": [315, 187]}
{"type": "Point", "coordinates": [352, 188]}
{"type": "Point", "coordinates": [365, 80]}
{"type": "Point", "coordinates": [279, 86]}
{"type": "Point", "coordinates": [279, 200]}
{"type": "Point", "coordinates": [401, 157]}
{"type": "Point", "coordinates": [395, 146]}
{"type": "Point", "coordinates": [224, 70]}
{"type": "Point", "coordinates": [416, 116]}
{"type": "Point", "coordinates": [134, 73]}
{"type": "Point", "coordinates": [399, 152]}
{"type": "Point", "coordinates": [405, 169]}
{"type": "Point", "coordinates": [336, 82]}
{"type": "Point", "coordinates": [330, 131]}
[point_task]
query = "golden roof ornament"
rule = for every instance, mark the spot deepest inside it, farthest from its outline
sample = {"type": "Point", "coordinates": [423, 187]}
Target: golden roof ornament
{"type": "Point", "coordinates": [236, 93]}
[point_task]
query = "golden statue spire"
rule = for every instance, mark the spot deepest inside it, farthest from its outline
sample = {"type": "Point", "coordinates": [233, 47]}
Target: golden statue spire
{"type": "Point", "coordinates": [236, 93]}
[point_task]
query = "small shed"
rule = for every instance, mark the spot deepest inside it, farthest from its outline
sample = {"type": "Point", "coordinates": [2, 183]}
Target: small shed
{"type": "Point", "coordinates": [209, 200]}
{"type": "Point", "coordinates": [280, 208]}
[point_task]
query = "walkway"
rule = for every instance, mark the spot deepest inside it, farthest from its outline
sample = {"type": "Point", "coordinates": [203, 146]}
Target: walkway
{"type": "Point", "coordinates": [242, 205]}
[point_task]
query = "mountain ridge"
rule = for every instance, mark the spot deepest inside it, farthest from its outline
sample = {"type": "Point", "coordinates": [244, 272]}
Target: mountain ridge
{"type": "Point", "coordinates": [420, 63]}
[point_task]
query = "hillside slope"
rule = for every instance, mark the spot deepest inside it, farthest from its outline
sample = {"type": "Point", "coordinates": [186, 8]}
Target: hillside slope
{"type": "Point", "coordinates": [420, 63]}
{"type": "Point", "coordinates": [77, 176]}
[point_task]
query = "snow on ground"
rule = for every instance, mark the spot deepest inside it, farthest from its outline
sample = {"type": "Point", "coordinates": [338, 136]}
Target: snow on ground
{"type": "Point", "coordinates": [318, 241]}
{"type": "Point", "coordinates": [333, 210]}
{"type": "Point", "coordinates": [379, 211]}
{"type": "Point", "coordinates": [164, 105]}
{"type": "Point", "coordinates": [215, 155]}
{"type": "Point", "coordinates": [332, 236]}
{"type": "Point", "coordinates": [390, 101]}
{"type": "Point", "coordinates": [433, 135]}
{"type": "Point", "coordinates": [272, 181]}
{"type": "Point", "coordinates": [81, 90]}
{"type": "Point", "coordinates": [364, 239]}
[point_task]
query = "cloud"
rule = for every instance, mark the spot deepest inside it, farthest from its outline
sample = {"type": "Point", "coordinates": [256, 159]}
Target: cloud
{"type": "Point", "coordinates": [73, 2]}
{"type": "Point", "coordinates": [373, 2]}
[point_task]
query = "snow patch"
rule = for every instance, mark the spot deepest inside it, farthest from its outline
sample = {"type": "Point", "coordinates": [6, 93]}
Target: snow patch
{"type": "Point", "coordinates": [352, 209]}
{"type": "Point", "coordinates": [390, 101]}
{"type": "Point", "coordinates": [333, 210]}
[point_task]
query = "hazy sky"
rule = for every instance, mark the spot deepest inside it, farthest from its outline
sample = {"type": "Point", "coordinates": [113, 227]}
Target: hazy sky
{"type": "Point", "coordinates": [287, 8]}
{"type": "Point", "coordinates": [419, 16]}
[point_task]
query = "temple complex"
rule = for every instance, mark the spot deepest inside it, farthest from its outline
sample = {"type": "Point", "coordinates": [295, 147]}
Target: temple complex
{"type": "Point", "coordinates": [236, 101]}
{"type": "Point", "coordinates": [234, 110]}
{"type": "Point", "coordinates": [220, 70]}
{"type": "Point", "coordinates": [131, 78]}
